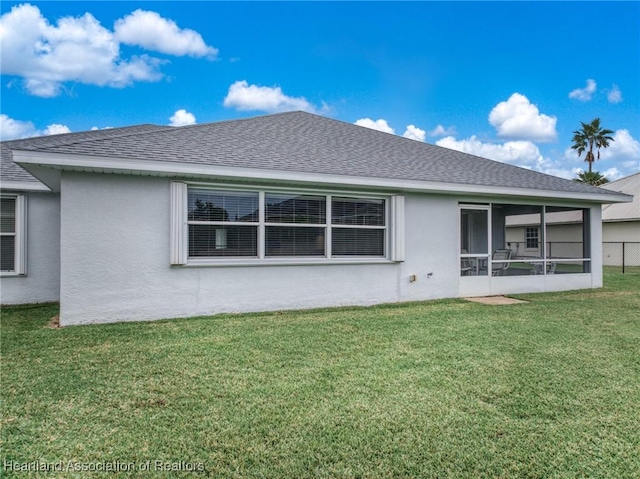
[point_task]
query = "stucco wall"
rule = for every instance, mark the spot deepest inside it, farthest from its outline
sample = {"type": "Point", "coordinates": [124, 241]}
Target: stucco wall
{"type": "Point", "coordinates": [42, 282]}
{"type": "Point", "coordinates": [619, 235]}
{"type": "Point", "coordinates": [563, 241]}
{"type": "Point", "coordinates": [115, 261]}
{"type": "Point", "coordinates": [621, 231]}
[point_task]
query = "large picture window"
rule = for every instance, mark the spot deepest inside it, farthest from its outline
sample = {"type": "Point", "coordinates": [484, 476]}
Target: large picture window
{"type": "Point", "coordinates": [224, 223]}
{"type": "Point", "coordinates": [12, 234]}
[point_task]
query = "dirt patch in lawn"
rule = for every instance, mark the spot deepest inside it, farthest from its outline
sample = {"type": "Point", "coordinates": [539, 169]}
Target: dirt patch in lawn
{"type": "Point", "coordinates": [55, 322]}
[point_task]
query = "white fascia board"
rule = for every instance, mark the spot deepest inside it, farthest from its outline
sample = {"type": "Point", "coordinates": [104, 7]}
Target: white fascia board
{"type": "Point", "coordinates": [22, 186]}
{"type": "Point", "coordinates": [33, 161]}
{"type": "Point", "coordinates": [620, 220]}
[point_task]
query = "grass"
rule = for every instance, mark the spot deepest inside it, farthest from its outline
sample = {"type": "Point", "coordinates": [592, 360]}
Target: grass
{"type": "Point", "coordinates": [550, 388]}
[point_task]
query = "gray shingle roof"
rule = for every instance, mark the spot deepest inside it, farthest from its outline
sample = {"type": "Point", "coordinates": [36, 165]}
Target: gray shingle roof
{"type": "Point", "coordinates": [306, 143]}
{"type": "Point", "coordinates": [9, 171]}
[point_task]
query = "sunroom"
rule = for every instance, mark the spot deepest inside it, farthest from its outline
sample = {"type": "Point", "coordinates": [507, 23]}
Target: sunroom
{"type": "Point", "coordinates": [508, 247]}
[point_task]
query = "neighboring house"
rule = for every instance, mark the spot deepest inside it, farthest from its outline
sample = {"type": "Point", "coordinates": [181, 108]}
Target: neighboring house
{"type": "Point", "coordinates": [285, 211]}
{"type": "Point", "coordinates": [620, 224]}
{"type": "Point", "coordinates": [624, 213]}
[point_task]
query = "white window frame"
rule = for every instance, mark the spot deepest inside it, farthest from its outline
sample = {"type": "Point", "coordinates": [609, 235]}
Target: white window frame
{"type": "Point", "coordinates": [393, 237]}
{"type": "Point", "coordinates": [20, 235]}
{"type": "Point", "coordinates": [528, 229]}
{"type": "Point", "coordinates": [264, 224]}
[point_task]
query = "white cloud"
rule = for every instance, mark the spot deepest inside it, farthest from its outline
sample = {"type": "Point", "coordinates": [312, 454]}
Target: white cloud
{"type": "Point", "coordinates": [612, 174]}
{"type": "Point", "coordinates": [151, 31]}
{"type": "Point", "coordinates": [56, 129]}
{"type": "Point", "coordinates": [414, 133]}
{"type": "Point", "coordinates": [520, 153]}
{"type": "Point", "coordinates": [614, 95]}
{"type": "Point", "coordinates": [584, 94]}
{"type": "Point", "coordinates": [624, 148]}
{"type": "Point", "coordinates": [554, 169]}
{"type": "Point", "coordinates": [80, 49]}
{"type": "Point", "coordinates": [572, 156]}
{"type": "Point", "coordinates": [519, 119]}
{"type": "Point", "coordinates": [557, 167]}
{"type": "Point", "coordinates": [181, 118]}
{"type": "Point", "coordinates": [380, 125]}
{"type": "Point", "coordinates": [11, 129]}
{"type": "Point", "coordinates": [442, 131]}
{"type": "Point", "coordinates": [245, 97]}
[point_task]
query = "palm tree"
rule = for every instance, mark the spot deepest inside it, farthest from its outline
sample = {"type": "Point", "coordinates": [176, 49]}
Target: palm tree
{"type": "Point", "coordinates": [592, 178]}
{"type": "Point", "coordinates": [591, 134]}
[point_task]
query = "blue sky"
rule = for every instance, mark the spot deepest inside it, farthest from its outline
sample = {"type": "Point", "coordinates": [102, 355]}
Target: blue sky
{"type": "Point", "coordinates": [508, 81]}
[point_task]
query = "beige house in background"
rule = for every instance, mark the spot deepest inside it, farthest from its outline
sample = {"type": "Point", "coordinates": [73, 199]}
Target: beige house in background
{"type": "Point", "coordinates": [621, 222]}
{"type": "Point", "coordinates": [564, 234]}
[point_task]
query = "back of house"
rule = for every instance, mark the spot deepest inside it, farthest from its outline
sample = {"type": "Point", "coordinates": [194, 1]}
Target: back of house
{"type": "Point", "coordinates": [283, 211]}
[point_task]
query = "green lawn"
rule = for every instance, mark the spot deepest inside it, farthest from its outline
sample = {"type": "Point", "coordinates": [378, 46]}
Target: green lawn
{"type": "Point", "coordinates": [550, 388]}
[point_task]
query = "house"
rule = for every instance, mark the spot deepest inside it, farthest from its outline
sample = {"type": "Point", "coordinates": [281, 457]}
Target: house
{"type": "Point", "coordinates": [284, 211]}
{"type": "Point", "coordinates": [620, 229]}
{"type": "Point", "coordinates": [621, 225]}
{"type": "Point", "coordinates": [40, 217]}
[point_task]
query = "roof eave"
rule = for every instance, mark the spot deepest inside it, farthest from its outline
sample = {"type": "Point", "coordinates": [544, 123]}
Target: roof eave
{"type": "Point", "coordinates": [620, 220]}
{"type": "Point", "coordinates": [47, 166]}
{"type": "Point", "coordinates": [23, 186]}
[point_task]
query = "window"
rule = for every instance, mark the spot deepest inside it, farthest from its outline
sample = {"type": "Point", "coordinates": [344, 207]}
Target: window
{"type": "Point", "coordinates": [222, 223]}
{"type": "Point", "coordinates": [12, 234]}
{"type": "Point", "coordinates": [295, 225]}
{"type": "Point", "coordinates": [218, 223]}
{"type": "Point", "coordinates": [358, 226]}
{"type": "Point", "coordinates": [532, 238]}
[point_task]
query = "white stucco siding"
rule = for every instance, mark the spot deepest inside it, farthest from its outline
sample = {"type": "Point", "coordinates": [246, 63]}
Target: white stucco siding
{"type": "Point", "coordinates": [564, 241]}
{"type": "Point", "coordinates": [432, 246]}
{"type": "Point", "coordinates": [628, 231]}
{"type": "Point", "coordinates": [619, 235]}
{"type": "Point", "coordinates": [564, 233]}
{"type": "Point", "coordinates": [41, 284]}
{"type": "Point", "coordinates": [115, 232]}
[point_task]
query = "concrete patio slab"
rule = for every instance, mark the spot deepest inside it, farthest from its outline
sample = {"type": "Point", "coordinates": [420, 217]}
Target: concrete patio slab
{"type": "Point", "coordinates": [495, 300]}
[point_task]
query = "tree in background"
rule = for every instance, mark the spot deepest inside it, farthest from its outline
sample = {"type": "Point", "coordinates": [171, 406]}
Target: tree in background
{"type": "Point", "coordinates": [589, 136]}
{"type": "Point", "coordinates": [591, 177]}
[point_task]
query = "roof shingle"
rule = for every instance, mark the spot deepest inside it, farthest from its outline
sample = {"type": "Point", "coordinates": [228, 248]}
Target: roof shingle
{"type": "Point", "coordinates": [306, 143]}
{"type": "Point", "coordinates": [9, 171]}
